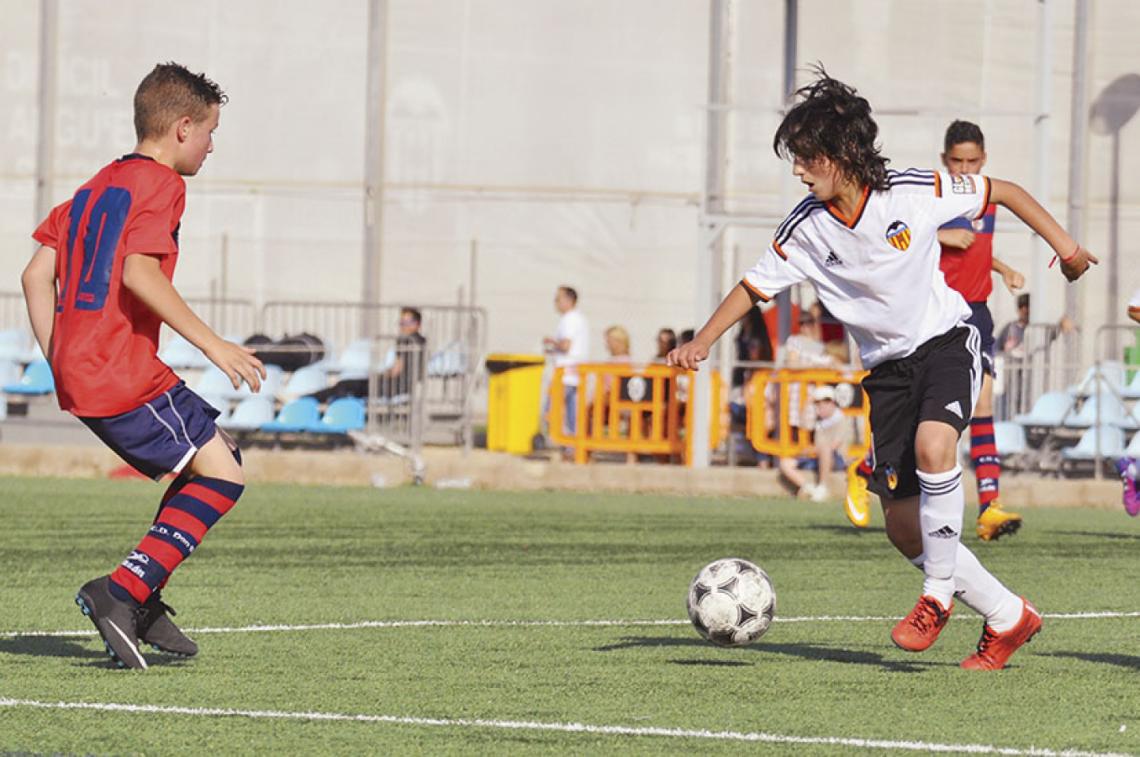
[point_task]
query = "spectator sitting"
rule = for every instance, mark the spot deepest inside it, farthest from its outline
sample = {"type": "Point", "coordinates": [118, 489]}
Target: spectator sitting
{"type": "Point", "coordinates": [1011, 338]}
{"type": "Point", "coordinates": [833, 434]}
{"type": "Point", "coordinates": [666, 342]}
{"type": "Point", "coordinates": [399, 379]}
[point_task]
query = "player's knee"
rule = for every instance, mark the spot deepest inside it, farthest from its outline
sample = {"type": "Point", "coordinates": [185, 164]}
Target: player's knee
{"type": "Point", "coordinates": [936, 455]}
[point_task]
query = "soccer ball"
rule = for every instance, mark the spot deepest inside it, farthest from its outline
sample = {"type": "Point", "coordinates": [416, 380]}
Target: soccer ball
{"type": "Point", "coordinates": [732, 602]}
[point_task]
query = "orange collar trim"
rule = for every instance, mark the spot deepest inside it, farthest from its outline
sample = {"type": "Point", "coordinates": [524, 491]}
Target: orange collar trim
{"type": "Point", "coordinates": [850, 222]}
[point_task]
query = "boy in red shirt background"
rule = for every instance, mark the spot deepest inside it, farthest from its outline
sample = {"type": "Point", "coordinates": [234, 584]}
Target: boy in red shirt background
{"type": "Point", "coordinates": [97, 290]}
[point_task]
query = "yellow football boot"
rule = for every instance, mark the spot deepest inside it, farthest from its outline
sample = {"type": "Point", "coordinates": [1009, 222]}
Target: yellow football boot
{"type": "Point", "coordinates": [857, 508]}
{"type": "Point", "coordinates": [995, 522]}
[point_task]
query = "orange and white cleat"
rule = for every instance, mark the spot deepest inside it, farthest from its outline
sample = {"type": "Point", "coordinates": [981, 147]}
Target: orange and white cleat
{"type": "Point", "coordinates": [995, 649]}
{"type": "Point", "coordinates": [995, 522]}
{"type": "Point", "coordinates": [857, 508]}
{"type": "Point", "coordinates": [919, 630]}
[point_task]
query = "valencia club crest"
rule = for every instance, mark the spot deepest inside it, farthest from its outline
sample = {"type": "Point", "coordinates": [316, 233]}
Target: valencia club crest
{"type": "Point", "coordinates": [898, 234]}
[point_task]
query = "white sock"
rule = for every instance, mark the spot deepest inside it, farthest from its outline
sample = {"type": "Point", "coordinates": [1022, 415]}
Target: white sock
{"type": "Point", "coordinates": [981, 591]}
{"type": "Point", "coordinates": [984, 594]}
{"type": "Point", "coordinates": [940, 507]}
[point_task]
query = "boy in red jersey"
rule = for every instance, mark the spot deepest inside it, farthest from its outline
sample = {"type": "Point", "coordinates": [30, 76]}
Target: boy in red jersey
{"type": "Point", "coordinates": [97, 291]}
{"type": "Point", "coordinates": [967, 262]}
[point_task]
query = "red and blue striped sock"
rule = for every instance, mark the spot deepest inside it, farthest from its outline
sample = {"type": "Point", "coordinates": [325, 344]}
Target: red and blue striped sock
{"type": "Point", "coordinates": [987, 462]}
{"type": "Point", "coordinates": [190, 510]}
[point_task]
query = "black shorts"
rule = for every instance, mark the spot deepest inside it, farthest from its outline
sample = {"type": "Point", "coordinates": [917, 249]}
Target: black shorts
{"type": "Point", "coordinates": [937, 382]}
{"type": "Point", "coordinates": [981, 319]}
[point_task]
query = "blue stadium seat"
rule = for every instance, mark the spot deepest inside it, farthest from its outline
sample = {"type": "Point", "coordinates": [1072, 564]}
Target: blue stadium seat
{"type": "Point", "coordinates": [213, 383]}
{"type": "Point", "coordinates": [1111, 412]}
{"type": "Point", "coordinates": [270, 385]}
{"type": "Point", "coordinates": [1111, 444]}
{"type": "Point", "coordinates": [450, 361]}
{"type": "Point", "coordinates": [1009, 437]}
{"type": "Point", "coordinates": [311, 378]}
{"type": "Point", "coordinates": [1132, 391]}
{"type": "Point", "coordinates": [1133, 448]}
{"type": "Point", "coordinates": [252, 413]}
{"type": "Point", "coordinates": [343, 415]}
{"type": "Point", "coordinates": [179, 353]}
{"type": "Point", "coordinates": [297, 416]}
{"type": "Point", "coordinates": [37, 380]}
{"type": "Point", "coordinates": [14, 343]}
{"type": "Point", "coordinates": [1050, 409]}
{"type": "Point", "coordinates": [1109, 374]}
{"type": "Point", "coordinates": [353, 362]}
{"type": "Point", "coordinates": [9, 372]}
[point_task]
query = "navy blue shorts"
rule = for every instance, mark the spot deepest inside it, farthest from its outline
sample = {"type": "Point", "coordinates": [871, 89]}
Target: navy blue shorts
{"type": "Point", "coordinates": [981, 319]}
{"type": "Point", "coordinates": [160, 436]}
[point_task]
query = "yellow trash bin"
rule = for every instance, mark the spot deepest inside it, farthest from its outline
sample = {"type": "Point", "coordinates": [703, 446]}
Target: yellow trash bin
{"type": "Point", "coordinates": [514, 401]}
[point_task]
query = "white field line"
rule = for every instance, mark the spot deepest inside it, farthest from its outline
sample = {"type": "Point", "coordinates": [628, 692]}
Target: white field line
{"type": "Point", "coordinates": [526, 725]}
{"type": "Point", "coordinates": [272, 628]}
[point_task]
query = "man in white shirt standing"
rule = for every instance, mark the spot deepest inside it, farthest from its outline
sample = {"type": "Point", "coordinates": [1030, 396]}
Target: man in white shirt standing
{"type": "Point", "coordinates": [570, 346]}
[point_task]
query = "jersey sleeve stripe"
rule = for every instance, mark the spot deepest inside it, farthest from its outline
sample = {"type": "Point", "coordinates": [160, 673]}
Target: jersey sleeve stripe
{"type": "Point", "coordinates": [784, 233]}
{"type": "Point", "coordinates": [937, 184]}
{"type": "Point", "coordinates": [755, 292]}
{"type": "Point", "coordinates": [985, 199]}
{"type": "Point", "coordinates": [779, 250]}
{"type": "Point", "coordinates": [797, 210]}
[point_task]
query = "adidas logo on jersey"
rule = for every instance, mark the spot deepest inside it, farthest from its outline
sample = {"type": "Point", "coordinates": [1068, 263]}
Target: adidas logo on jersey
{"type": "Point", "coordinates": [832, 259]}
{"type": "Point", "coordinates": [946, 532]}
{"type": "Point", "coordinates": [956, 408]}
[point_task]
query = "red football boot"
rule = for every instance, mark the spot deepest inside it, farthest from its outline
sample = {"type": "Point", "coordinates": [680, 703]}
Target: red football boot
{"type": "Point", "coordinates": [920, 629]}
{"type": "Point", "coordinates": [995, 649]}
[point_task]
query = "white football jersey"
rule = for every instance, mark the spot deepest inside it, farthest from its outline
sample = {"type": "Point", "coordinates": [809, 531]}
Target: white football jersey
{"type": "Point", "coordinates": [877, 272]}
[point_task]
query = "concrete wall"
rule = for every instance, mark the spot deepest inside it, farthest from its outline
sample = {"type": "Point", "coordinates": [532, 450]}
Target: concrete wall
{"type": "Point", "coordinates": [567, 138]}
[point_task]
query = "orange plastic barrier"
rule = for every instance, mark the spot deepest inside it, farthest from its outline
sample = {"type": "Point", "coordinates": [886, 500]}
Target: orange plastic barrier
{"type": "Point", "coordinates": [631, 409]}
{"type": "Point", "coordinates": [769, 419]}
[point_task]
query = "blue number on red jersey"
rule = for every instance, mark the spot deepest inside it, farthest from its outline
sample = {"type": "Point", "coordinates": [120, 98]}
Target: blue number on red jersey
{"type": "Point", "coordinates": [78, 205]}
{"type": "Point", "coordinates": [104, 227]}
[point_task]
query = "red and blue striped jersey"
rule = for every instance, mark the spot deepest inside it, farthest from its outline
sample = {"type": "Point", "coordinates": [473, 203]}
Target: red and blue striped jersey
{"type": "Point", "coordinates": [968, 271]}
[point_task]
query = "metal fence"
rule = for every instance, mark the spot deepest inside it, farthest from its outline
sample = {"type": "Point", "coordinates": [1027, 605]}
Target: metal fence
{"type": "Point", "coordinates": [396, 406]}
{"type": "Point", "coordinates": [455, 348]}
{"type": "Point", "coordinates": [233, 319]}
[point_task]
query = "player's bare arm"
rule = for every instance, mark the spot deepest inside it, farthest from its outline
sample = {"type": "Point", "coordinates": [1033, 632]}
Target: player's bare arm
{"type": "Point", "coordinates": [731, 309]}
{"type": "Point", "coordinates": [1075, 259]}
{"type": "Point", "coordinates": [38, 281]}
{"type": "Point", "coordinates": [145, 280]}
{"type": "Point", "coordinates": [1010, 276]}
{"type": "Point", "coordinates": [959, 239]}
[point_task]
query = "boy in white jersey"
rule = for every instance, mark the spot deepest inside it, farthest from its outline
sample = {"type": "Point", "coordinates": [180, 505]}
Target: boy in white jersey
{"type": "Point", "coordinates": [867, 240]}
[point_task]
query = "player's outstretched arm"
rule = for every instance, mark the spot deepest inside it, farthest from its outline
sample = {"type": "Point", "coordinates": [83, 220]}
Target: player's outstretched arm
{"type": "Point", "coordinates": [1075, 259]}
{"type": "Point", "coordinates": [1010, 276]}
{"type": "Point", "coordinates": [731, 309]}
{"type": "Point", "coordinates": [38, 281]}
{"type": "Point", "coordinates": [143, 277]}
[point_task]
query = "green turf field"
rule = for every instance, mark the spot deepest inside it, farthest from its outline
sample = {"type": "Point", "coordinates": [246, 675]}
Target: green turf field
{"type": "Point", "coordinates": [290, 557]}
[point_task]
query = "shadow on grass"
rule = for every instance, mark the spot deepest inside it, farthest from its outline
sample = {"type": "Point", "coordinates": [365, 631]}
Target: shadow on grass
{"type": "Point", "coordinates": [1132, 662]}
{"type": "Point", "coordinates": [816, 652]}
{"type": "Point", "coordinates": [1102, 535]}
{"type": "Point", "coordinates": [845, 530]}
{"type": "Point", "coordinates": [714, 663]}
{"type": "Point", "coordinates": [88, 650]}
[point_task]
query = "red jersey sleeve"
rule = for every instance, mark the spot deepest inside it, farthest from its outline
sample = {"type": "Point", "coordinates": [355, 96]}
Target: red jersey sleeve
{"type": "Point", "coordinates": [51, 230]}
{"type": "Point", "coordinates": [158, 210]}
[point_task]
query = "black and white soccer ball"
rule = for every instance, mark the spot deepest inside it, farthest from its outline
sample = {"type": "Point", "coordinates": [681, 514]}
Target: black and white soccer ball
{"type": "Point", "coordinates": [732, 602]}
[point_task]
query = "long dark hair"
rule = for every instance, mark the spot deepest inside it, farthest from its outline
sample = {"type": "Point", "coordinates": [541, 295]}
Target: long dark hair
{"type": "Point", "coordinates": [832, 121]}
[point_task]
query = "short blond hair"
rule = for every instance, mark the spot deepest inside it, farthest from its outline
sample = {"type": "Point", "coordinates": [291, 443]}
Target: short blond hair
{"type": "Point", "coordinates": [620, 335]}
